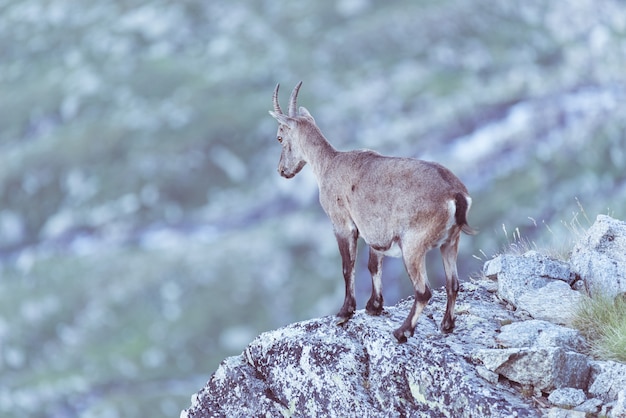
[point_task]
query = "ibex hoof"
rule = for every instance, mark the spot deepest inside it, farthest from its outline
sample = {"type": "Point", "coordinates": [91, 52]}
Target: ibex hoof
{"type": "Point", "coordinates": [402, 335]}
{"type": "Point", "coordinates": [447, 326]}
{"type": "Point", "coordinates": [374, 308]}
{"type": "Point", "coordinates": [342, 319]}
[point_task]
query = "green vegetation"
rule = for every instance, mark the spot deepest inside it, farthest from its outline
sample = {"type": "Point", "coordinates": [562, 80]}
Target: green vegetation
{"type": "Point", "coordinates": [602, 321]}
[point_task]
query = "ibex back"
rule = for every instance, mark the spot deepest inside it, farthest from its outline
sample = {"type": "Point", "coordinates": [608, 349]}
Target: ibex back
{"type": "Point", "coordinates": [399, 206]}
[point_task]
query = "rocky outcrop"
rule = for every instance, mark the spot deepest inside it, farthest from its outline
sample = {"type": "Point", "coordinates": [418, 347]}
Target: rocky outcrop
{"type": "Point", "coordinates": [316, 368]}
{"type": "Point", "coordinates": [599, 258]}
{"type": "Point", "coordinates": [511, 354]}
{"type": "Point", "coordinates": [535, 283]}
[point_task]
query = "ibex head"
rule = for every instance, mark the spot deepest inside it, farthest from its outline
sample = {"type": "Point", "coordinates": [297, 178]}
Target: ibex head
{"type": "Point", "coordinates": [289, 133]}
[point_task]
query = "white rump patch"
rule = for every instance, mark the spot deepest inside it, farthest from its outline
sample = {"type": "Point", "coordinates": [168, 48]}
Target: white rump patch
{"type": "Point", "coordinates": [451, 214]}
{"type": "Point", "coordinates": [449, 224]}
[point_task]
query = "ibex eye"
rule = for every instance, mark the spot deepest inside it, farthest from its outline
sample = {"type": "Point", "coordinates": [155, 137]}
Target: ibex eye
{"type": "Point", "coordinates": [280, 139]}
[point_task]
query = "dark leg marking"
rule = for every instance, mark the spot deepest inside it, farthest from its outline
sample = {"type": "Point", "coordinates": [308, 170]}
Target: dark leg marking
{"type": "Point", "coordinates": [447, 325]}
{"type": "Point", "coordinates": [407, 329]}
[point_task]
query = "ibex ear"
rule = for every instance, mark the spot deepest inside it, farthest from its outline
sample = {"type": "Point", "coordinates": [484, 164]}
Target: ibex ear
{"type": "Point", "coordinates": [283, 119]}
{"type": "Point", "coordinates": [305, 113]}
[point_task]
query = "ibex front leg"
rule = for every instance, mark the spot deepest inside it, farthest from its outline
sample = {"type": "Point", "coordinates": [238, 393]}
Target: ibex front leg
{"type": "Point", "coordinates": [347, 249]}
{"type": "Point", "coordinates": [375, 265]}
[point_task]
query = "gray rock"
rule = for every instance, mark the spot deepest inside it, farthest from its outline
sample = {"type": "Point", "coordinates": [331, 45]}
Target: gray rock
{"type": "Point", "coordinates": [537, 333]}
{"type": "Point", "coordinates": [315, 368]}
{"type": "Point", "coordinates": [517, 275]}
{"type": "Point", "coordinates": [543, 368]}
{"type": "Point", "coordinates": [536, 284]}
{"type": "Point", "coordinates": [590, 406]}
{"type": "Point", "coordinates": [564, 413]}
{"type": "Point", "coordinates": [530, 264]}
{"type": "Point", "coordinates": [599, 258]}
{"type": "Point", "coordinates": [555, 302]}
{"type": "Point", "coordinates": [487, 374]}
{"type": "Point", "coordinates": [567, 397]}
{"type": "Point", "coordinates": [607, 379]}
{"type": "Point", "coordinates": [605, 410]}
{"type": "Point", "coordinates": [619, 408]}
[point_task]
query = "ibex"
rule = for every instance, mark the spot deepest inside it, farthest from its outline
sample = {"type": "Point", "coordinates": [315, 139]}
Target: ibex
{"type": "Point", "coordinates": [399, 206]}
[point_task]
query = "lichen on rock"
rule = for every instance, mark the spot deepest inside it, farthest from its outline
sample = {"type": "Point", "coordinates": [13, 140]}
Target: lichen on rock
{"type": "Point", "coordinates": [498, 361]}
{"type": "Point", "coordinates": [316, 368]}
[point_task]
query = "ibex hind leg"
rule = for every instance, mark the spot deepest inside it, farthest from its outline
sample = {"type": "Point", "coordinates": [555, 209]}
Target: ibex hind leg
{"type": "Point", "coordinates": [414, 260]}
{"type": "Point", "coordinates": [407, 329]}
{"type": "Point", "coordinates": [449, 251]}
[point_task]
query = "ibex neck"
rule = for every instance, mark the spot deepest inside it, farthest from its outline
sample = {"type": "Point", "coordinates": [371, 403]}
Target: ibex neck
{"type": "Point", "coordinates": [318, 152]}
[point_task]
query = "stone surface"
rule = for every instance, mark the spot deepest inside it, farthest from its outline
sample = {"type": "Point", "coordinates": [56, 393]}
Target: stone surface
{"type": "Point", "coordinates": [599, 257]}
{"type": "Point", "coordinates": [590, 406]}
{"type": "Point", "coordinates": [316, 368]}
{"type": "Point", "coordinates": [567, 397]}
{"type": "Point", "coordinates": [564, 413]}
{"type": "Point", "coordinates": [556, 302]}
{"type": "Point", "coordinates": [531, 264]}
{"type": "Point", "coordinates": [517, 275]}
{"type": "Point", "coordinates": [543, 368]}
{"type": "Point", "coordinates": [619, 408]}
{"type": "Point", "coordinates": [607, 379]}
{"type": "Point", "coordinates": [536, 284]}
{"type": "Point", "coordinates": [537, 333]}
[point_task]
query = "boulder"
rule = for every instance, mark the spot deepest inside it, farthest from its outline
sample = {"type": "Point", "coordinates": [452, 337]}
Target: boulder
{"type": "Point", "coordinates": [316, 368]}
{"type": "Point", "coordinates": [619, 407]}
{"type": "Point", "coordinates": [543, 368]}
{"type": "Point", "coordinates": [564, 413]}
{"type": "Point", "coordinates": [599, 257]}
{"type": "Point", "coordinates": [607, 379]}
{"type": "Point", "coordinates": [537, 333]}
{"type": "Point", "coordinates": [517, 273]}
{"type": "Point", "coordinates": [590, 406]}
{"type": "Point", "coordinates": [536, 284]}
{"type": "Point", "coordinates": [567, 398]}
{"type": "Point", "coordinates": [556, 302]}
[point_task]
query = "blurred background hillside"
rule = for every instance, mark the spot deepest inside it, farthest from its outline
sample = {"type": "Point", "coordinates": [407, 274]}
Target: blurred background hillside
{"type": "Point", "coordinates": [144, 231]}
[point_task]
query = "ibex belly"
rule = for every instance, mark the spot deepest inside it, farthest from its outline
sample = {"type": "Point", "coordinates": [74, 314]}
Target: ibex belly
{"type": "Point", "coordinates": [393, 251]}
{"type": "Point", "coordinates": [388, 242]}
{"type": "Point", "coordinates": [389, 247]}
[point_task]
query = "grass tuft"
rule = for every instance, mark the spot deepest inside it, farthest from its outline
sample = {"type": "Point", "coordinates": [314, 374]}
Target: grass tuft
{"type": "Point", "coordinates": [556, 240]}
{"type": "Point", "coordinates": [602, 321]}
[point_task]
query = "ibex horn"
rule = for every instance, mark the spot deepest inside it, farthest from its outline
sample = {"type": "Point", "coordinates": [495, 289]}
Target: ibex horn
{"type": "Point", "coordinates": [277, 108]}
{"type": "Point", "coordinates": [293, 99]}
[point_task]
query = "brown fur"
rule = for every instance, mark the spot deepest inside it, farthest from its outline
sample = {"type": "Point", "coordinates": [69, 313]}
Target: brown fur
{"type": "Point", "coordinates": [392, 203]}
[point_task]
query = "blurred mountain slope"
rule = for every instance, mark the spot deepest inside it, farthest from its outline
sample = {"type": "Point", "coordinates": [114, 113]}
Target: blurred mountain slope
{"type": "Point", "coordinates": [141, 216]}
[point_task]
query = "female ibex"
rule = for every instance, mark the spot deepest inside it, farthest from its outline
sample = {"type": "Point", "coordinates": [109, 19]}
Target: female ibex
{"type": "Point", "coordinates": [400, 206]}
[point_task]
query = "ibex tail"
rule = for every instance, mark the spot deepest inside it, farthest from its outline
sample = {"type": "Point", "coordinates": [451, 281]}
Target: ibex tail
{"type": "Point", "coordinates": [463, 204]}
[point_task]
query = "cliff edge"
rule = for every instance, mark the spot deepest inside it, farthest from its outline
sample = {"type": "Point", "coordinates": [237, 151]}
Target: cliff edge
{"type": "Point", "coordinates": [510, 354]}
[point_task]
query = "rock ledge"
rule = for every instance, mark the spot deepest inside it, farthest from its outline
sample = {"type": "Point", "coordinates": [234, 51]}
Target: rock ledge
{"type": "Point", "coordinates": [510, 354]}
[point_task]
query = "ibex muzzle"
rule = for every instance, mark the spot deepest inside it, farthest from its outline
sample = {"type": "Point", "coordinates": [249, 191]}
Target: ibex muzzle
{"type": "Point", "coordinates": [399, 206]}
